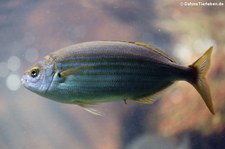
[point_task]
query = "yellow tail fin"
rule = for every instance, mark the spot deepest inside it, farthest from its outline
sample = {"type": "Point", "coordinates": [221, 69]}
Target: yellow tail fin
{"type": "Point", "coordinates": [202, 66]}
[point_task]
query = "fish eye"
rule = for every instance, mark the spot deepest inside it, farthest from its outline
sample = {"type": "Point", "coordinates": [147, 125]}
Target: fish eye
{"type": "Point", "coordinates": [34, 72]}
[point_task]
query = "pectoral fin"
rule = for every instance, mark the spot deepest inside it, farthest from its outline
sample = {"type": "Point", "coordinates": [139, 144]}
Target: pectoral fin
{"type": "Point", "coordinates": [72, 71]}
{"type": "Point", "coordinates": [91, 110]}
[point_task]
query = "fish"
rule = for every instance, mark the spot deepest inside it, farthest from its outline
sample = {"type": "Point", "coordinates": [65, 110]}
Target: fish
{"type": "Point", "coordinates": [101, 71]}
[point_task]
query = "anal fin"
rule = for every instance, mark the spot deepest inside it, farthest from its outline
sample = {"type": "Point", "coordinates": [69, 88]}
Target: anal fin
{"type": "Point", "coordinates": [151, 98]}
{"type": "Point", "coordinates": [146, 100]}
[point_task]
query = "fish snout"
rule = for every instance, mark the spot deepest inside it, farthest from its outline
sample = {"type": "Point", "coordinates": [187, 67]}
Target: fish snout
{"type": "Point", "coordinates": [23, 80]}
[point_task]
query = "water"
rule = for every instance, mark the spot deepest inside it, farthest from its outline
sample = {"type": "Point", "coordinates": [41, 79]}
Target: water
{"type": "Point", "coordinates": [30, 30]}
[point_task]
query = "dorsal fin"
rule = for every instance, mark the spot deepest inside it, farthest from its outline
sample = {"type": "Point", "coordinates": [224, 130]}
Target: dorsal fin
{"type": "Point", "coordinates": [154, 49]}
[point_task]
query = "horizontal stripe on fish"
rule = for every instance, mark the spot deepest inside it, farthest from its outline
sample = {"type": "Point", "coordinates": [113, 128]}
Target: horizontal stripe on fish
{"type": "Point", "coordinates": [122, 70]}
{"type": "Point", "coordinates": [110, 85]}
{"type": "Point", "coordinates": [113, 78]}
{"type": "Point", "coordinates": [108, 57]}
{"type": "Point", "coordinates": [101, 53]}
{"type": "Point", "coordinates": [110, 62]}
{"type": "Point", "coordinates": [113, 65]}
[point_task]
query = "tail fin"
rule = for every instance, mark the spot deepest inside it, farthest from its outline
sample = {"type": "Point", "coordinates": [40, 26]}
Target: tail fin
{"type": "Point", "coordinates": [201, 66]}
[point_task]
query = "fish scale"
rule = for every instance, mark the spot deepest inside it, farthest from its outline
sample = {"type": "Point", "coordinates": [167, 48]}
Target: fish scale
{"type": "Point", "coordinates": [102, 71]}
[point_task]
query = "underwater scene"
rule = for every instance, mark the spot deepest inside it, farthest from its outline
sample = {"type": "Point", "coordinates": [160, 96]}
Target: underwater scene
{"type": "Point", "coordinates": [183, 39]}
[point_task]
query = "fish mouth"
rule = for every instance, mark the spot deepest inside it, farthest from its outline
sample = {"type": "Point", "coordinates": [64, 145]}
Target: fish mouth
{"type": "Point", "coordinates": [24, 81]}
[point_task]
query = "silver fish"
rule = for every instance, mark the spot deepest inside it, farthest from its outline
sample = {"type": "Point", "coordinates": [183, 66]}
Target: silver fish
{"type": "Point", "coordinates": [101, 71]}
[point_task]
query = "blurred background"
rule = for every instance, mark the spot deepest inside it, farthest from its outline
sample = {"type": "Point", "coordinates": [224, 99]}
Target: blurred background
{"type": "Point", "coordinates": [31, 29]}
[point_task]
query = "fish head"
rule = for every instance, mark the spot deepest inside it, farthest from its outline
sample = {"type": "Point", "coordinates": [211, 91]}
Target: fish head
{"type": "Point", "coordinates": [38, 79]}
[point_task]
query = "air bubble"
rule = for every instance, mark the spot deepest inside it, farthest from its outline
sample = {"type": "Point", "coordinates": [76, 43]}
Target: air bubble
{"type": "Point", "coordinates": [13, 63]}
{"type": "Point", "coordinates": [13, 82]}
